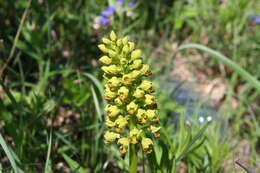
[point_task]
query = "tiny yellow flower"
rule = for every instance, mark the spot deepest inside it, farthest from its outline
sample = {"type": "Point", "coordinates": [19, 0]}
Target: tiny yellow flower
{"type": "Point", "coordinates": [145, 70]}
{"type": "Point", "coordinates": [124, 143]}
{"type": "Point", "coordinates": [112, 53]}
{"type": "Point", "coordinates": [103, 48]}
{"type": "Point", "coordinates": [147, 145]}
{"type": "Point", "coordinates": [136, 64]}
{"type": "Point", "coordinates": [141, 116]}
{"type": "Point", "coordinates": [123, 93]}
{"type": "Point", "coordinates": [111, 136]}
{"type": "Point", "coordinates": [134, 135]}
{"type": "Point", "coordinates": [125, 40]}
{"type": "Point", "coordinates": [127, 79]}
{"type": "Point", "coordinates": [121, 121]}
{"type": "Point", "coordinates": [139, 93]}
{"type": "Point", "coordinates": [131, 108]}
{"type": "Point", "coordinates": [146, 86]}
{"type": "Point", "coordinates": [136, 54]}
{"type": "Point", "coordinates": [113, 36]}
{"type": "Point", "coordinates": [119, 42]}
{"type": "Point", "coordinates": [114, 82]}
{"type": "Point", "coordinates": [112, 69]}
{"type": "Point", "coordinates": [150, 99]}
{"type": "Point", "coordinates": [118, 101]}
{"type": "Point", "coordinates": [106, 41]}
{"type": "Point", "coordinates": [110, 123]}
{"type": "Point", "coordinates": [154, 129]}
{"type": "Point", "coordinates": [112, 110]}
{"type": "Point", "coordinates": [125, 49]}
{"type": "Point", "coordinates": [109, 95]}
{"type": "Point", "coordinates": [131, 46]}
{"type": "Point", "coordinates": [105, 60]}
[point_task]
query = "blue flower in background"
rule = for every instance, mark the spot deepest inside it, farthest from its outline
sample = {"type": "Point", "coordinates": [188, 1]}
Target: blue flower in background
{"type": "Point", "coordinates": [131, 3]}
{"type": "Point", "coordinates": [255, 18]}
{"type": "Point", "coordinates": [103, 20]}
{"type": "Point", "coordinates": [120, 2]}
{"type": "Point", "coordinates": [108, 11]}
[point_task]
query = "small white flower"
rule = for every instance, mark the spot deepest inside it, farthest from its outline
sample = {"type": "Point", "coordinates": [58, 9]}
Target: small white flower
{"type": "Point", "coordinates": [201, 119]}
{"type": "Point", "coordinates": [209, 118]}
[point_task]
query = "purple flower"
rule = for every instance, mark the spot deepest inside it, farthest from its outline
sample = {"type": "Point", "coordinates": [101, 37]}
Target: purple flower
{"type": "Point", "coordinates": [108, 11]}
{"type": "Point", "coordinates": [120, 2]}
{"type": "Point", "coordinates": [103, 20]}
{"type": "Point", "coordinates": [255, 18]}
{"type": "Point", "coordinates": [131, 3]}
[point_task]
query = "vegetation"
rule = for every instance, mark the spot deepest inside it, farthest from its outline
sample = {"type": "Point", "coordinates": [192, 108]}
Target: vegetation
{"type": "Point", "coordinates": [52, 116]}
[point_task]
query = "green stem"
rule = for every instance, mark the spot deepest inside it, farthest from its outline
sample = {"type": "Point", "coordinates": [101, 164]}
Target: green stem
{"type": "Point", "coordinates": [133, 159]}
{"type": "Point", "coordinates": [133, 151]}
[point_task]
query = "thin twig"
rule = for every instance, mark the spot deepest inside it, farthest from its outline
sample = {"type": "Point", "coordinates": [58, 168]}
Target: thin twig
{"type": "Point", "coordinates": [246, 168]}
{"type": "Point", "coordinates": [25, 13]}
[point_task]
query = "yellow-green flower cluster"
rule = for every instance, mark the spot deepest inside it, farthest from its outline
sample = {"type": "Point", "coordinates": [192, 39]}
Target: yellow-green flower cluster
{"type": "Point", "coordinates": [131, 112]}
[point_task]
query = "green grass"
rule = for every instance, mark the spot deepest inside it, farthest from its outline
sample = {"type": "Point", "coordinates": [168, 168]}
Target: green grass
{"type": "Point", "coordinates": [51, 112]}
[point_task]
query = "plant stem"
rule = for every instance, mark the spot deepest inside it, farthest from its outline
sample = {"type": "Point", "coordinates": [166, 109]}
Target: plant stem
{"type": "Point", "coordinates": [133, 151]}
{"type": "Point", "coordinates": [133, 159]}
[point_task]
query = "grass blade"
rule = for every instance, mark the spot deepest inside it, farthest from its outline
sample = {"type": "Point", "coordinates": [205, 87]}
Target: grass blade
{"type": "Point", "coordinates": [96, 103]}
{"type": "Point", "coordinates": [74, 166]}
{"type": "Point", "coordinates": [9, 154]}
{"type": "Point", "coordinates": [218, 56]}
{"type": "Point", "coordinates": [197, 136]}
{"type": "Point", "coordinates": [47, 163]}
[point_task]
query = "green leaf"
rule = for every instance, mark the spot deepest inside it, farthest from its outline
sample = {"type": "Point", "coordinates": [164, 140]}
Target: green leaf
{"type": "Point", "coordinates": [74, 166]}
{"type": "Point", "coordinates": [9, 154]}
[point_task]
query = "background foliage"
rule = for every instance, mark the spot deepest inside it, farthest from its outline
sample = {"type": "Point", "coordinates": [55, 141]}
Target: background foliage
{"type": "Point", "coordinates": [51, 106]}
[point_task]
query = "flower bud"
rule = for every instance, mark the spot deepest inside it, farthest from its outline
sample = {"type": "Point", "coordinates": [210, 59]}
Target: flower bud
{"type": "Point", "coordinates": [136, 64]}
{"type": "Point", "coordinates": [131, 46]}
{"type": "Point", "coordinates": [125, 41]}
{"type": "Point", "coordinates": [131, 108]}
{"type": "Point", "coordinates": [106, 41]}
{"type": "Point", "coordinates": [136, 54]}
{"type": "Point", "coordinates": [112, 53]}
{"type": "Point", "coordinates": [125, 49]}
{"type": "Point", "coordinates": [113, 36]}
{"type": "Point", "coordinates": [111, 136]}
{"type": "Point", "coordinates": [135, 74]}
{"type": "Point", "coordinates": [105, 60]}
{"type": "Point", "coordinates": [119, 42]}
{"type": "Point", "coordinates": [112, 69]}
{"type": "Point", "coordinates": [103, 48]}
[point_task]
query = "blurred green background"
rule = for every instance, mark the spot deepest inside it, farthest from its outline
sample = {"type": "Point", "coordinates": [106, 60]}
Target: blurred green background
{"type": "Point", "coordinates": [51, 105]}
